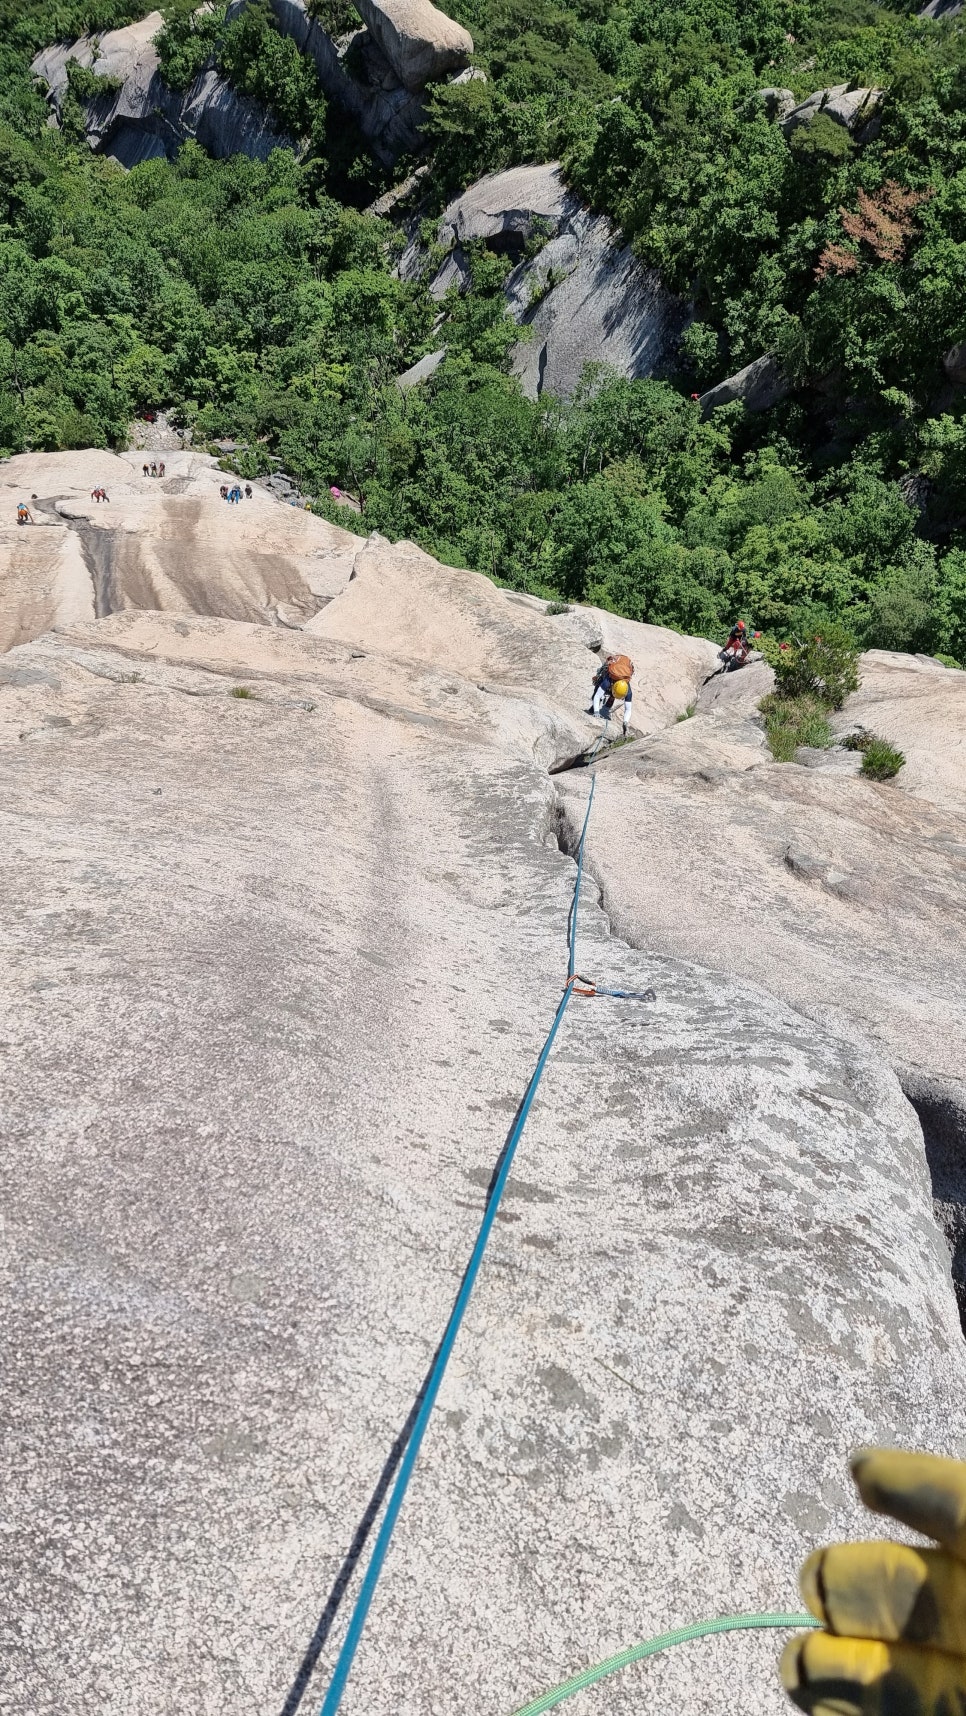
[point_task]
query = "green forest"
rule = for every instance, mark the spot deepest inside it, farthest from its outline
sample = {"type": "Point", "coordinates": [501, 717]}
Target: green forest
{"type": "Point", "coordinates": [259, 302]}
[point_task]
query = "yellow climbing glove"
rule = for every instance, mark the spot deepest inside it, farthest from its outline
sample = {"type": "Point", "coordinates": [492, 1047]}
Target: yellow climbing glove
{"type": "Point", "coordinates": [894, 1642]}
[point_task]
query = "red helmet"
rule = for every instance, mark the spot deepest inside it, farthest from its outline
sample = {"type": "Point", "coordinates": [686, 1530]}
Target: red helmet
{"type": "Point", "coordinates": [741, 625]}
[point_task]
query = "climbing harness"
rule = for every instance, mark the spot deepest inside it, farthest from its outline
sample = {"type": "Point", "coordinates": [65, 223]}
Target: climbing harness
{"type": "Point", "coordinates": [651, 1647]}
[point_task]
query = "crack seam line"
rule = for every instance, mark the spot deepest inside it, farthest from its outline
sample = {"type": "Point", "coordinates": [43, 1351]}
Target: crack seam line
{"type": "Point", "coordinates": [350, 1643]}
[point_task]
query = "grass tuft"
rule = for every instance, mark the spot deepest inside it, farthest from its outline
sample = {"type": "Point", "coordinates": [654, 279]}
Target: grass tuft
{"type": "Point", "coordinates": [880, 760]}
{"type": "Point", "coordinates": [242, 691]}
{"type": "Point", "coordinates": [794, 721]}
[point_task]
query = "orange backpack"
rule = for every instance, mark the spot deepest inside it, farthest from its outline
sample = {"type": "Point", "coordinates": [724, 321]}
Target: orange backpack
{"type": "Point", "coordinates": [619, 667]}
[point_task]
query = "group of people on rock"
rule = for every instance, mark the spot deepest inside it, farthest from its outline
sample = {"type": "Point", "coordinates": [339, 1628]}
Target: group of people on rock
{"type": "Point", "coordinates": [612, 681]}
{"type": "Point", "coordinates": [234, 495]}
{"type": "Point", "coordinates": [155, 469]}
{"type": "Point", "coordinates": [100, 495]}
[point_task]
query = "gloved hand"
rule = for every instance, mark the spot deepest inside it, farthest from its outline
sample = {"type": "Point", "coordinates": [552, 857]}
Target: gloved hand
{"type": "Point", "coordinates": [895, 1617]}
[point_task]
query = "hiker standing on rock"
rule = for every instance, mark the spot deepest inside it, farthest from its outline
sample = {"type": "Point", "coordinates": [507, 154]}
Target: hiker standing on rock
{"type": "Point", "coordinates": [161, 468]}
{"type": "Point", "coordinates": [612, 684]}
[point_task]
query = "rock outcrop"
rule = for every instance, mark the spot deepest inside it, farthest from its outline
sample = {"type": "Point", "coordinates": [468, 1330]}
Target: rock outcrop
{"type": "Point", "coordinates": [420, 43]}
{"type": "Point", "coordinates": [389, 115]}
{"type": "Point", "coordinates": [421, 370]}
{"type": "Point", "coordinates": [276, 971]}
{"type": "Point", "coordinates": [954, 363]}
{"type": "Point", "coordinates": [857, 109]}
{"type": "Point", "coordinates": [837, 875]}
{"type": "Point", "coordinates": [759, 386]}
{"type": "Point", "coordinates": [778, 103]}
{"type": "Point", "coordinates": [575, 286]}
{"type": "Point", "coordinates": [382, 93]}
{"type": "Point", "coordinates": [143, 118]}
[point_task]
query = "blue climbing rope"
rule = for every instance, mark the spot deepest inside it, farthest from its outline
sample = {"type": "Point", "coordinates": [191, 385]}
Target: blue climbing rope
{"type": "Point", "coordinates": [350, 1643]}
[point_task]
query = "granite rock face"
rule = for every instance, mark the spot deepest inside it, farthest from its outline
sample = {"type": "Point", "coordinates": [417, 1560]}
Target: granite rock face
{"type": "Point", "coordinates": [146, 119]}
{"type": "Point", "coordinates": [581, 292]}
{"type": "Point", "coordinates": [759, 386]}
{"type": "Point", "coordinates": [834, 892]}
{"type": "Point", "coordinates": [855, 109]}
{"type": "Point", "coordinates": [276, 972]}
{"type": "Point", "coordinates": [419, 41]}
{"type": "Point", "coordinates": [388, 114]}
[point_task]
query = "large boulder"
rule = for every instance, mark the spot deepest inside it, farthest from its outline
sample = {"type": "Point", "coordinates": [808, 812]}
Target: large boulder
{"type": "Point", "coordinates": [142, 117]}
{"type": "Point", "coordinates": [276, 969]}
{"type": "Point", "coordinates": [778, 103]}
{"type": "Point", "coordinates": [389, 115]}
{"type": "Point", "coordinates": [420, 42]}
{"type": "Point", "coordinates": [759, 386]}
{"type": "Point", "coordinates": [855, 109]}
{"type": "Point", "coordinates": [576, 286]}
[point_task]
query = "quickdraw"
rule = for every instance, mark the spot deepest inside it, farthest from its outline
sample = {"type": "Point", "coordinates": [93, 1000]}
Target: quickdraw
{"type": "Point", "coordinates": [593, 989]}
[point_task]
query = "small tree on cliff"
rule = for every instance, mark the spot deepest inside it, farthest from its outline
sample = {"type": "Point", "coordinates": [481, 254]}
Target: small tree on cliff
{"type": "Point", "coordinates": [822, 665]}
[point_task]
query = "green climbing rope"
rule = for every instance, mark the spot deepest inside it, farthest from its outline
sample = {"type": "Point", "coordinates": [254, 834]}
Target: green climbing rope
{"type": "Point", "coordinates": [651, 1647]}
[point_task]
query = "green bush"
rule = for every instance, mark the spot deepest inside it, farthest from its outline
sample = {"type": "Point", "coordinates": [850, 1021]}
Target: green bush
{"type": "Point", "coordinates": [88, 85]}
{"type": "Point", "coordinates": [794, 721]}
{"type": "Point", "coordinates": [189, 38]}
{"type": "Point", "coordinates": [821, 138]}
{"type": "Point", "coordinates": [701, 352]}
{"type": "Point", "coordinates": [881, 761]}
{"type": "Point", "coordinates": [823, 665]}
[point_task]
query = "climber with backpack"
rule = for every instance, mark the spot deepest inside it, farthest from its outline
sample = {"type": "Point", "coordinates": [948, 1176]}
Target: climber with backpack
{"type": "Point", "coordinates": [612, 684]}
{"type": "Point", "coordinates": [738, 648]}
{"type": "Point", "coordinates": [24, 514]}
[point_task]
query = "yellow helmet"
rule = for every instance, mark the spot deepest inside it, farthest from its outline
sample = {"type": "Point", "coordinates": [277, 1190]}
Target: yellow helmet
{"type": "Point", "coordinates": [620, 688]}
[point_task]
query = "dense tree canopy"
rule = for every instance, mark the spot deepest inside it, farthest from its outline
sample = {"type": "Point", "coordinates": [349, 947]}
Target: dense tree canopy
{"type": "Point", "coordinates": [258, 302]}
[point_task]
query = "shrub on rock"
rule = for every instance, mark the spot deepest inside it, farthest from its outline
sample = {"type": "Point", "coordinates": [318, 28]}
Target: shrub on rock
{"type": "Point", "coordinates": [823, 665]}
{"type": "Point", "coordinates": [880, 760]}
